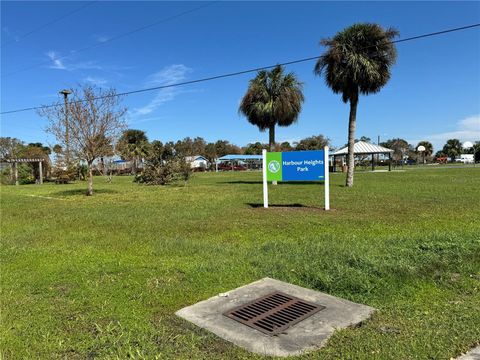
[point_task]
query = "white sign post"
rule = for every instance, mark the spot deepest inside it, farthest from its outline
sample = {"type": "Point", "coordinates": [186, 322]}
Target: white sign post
{"type": "Point", "coordinates": [327, 179]}
{"type": "Point", "coordinates": [265, 184]}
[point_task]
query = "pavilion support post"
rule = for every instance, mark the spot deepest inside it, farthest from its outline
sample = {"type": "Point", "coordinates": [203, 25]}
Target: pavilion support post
{"type": "Point", "coordinates": [373, 162]}
{"type": "Point", "coordinates": [389, 161]}
{"type": "Point", "coordinates": [15, 173]}
{"type": "Point", "coordinates": [334, 168]}
{"type": "Point", "coordinates": [40, 173]}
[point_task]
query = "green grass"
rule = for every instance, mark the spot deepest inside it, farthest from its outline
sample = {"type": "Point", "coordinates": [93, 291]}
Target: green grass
{"type": "Point", "coordinates": [101, 277]}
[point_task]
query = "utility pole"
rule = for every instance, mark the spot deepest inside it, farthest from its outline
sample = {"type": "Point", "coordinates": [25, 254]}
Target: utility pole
{"type": "Point", "coordinates": [65, 94]}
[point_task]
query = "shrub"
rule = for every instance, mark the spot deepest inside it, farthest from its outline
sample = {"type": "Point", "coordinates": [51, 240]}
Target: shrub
{"type": "Point", "coordinates": [25, 175]}
{"type": "Point", "coordinates": [156, 173]}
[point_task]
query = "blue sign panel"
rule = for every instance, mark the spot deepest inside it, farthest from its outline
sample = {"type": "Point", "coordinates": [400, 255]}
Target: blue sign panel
{"type": "Point", "coordinates": [303, 165]}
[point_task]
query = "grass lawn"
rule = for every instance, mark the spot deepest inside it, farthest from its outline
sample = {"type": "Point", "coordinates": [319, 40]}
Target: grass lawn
{"type": "Point", "coordinates": [101, 277]}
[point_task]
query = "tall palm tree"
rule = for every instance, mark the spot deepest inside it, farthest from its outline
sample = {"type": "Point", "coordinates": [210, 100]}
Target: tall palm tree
{"type": "Point", "coordinates": [272, 98]}
{"type": "Point", "coordinates": [357, 61]}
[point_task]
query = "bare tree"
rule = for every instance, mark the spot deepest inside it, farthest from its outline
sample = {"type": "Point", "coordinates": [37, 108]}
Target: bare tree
{"type": "Point", "coordinates": [95, 121]}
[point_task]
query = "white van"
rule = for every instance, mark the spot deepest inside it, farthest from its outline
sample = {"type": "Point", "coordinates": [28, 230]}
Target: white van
{"type": "Point", "coordinates": [465, 158]}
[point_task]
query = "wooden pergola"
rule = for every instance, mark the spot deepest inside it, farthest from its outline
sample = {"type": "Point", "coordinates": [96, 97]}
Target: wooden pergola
{"type": "Point", "coordinates": [15, 161]}
{"type": "Point", "coordinates": [364, 148]}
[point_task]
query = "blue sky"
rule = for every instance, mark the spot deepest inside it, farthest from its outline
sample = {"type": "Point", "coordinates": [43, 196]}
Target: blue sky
{"type": "Point", "coordinates": [434, 93]}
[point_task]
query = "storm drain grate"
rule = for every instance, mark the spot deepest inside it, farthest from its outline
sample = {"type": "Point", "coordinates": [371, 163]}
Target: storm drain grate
{"type": "Point", "coordinates": [273, 313]}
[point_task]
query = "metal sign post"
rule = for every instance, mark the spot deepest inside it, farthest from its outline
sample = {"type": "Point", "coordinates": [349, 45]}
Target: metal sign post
{"type": "Point", "coordinates": [296, 166]}
{"type": "Point", "coordinates": [265, 184]}
{"type": "Point", "coordinates": [327, 179]}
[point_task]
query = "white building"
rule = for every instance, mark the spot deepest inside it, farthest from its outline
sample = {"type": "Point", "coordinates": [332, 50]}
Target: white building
{"type": "Point", "coordinates": [197, 162]}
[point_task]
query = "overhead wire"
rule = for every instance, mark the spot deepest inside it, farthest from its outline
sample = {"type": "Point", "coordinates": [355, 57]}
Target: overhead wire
{"type": "Point", "coordinates": [241, 72]}
{"type": "Point", "coordinates": [54, 21]}
{"type": "Point", "coordinates": [113, 38]}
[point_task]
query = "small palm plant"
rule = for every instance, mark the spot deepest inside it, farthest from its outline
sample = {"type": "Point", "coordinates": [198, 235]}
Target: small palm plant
{"type": "Point", "coordinates": [272, 98]}
{"type": "Point", "coordinates": [357, 61]}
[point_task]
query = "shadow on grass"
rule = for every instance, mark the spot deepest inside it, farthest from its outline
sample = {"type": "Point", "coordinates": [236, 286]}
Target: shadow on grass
{"type": "Point", "coordinates": [285, 206]}
{"type": "Point", "coordinates": [260, 205]}
{"type": "Point", "coordinates": [252, 182]}
{"type": "Point", "coordinates": [82, 192]}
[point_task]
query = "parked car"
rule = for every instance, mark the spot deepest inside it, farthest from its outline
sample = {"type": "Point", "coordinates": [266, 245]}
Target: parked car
{"type": "Point", "coordinates": [229, 167]}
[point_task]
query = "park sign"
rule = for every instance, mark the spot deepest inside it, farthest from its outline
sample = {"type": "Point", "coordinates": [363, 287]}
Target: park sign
{"type": "Point", "coordinates": [309, 165]}
{"type": "Point", "coordinates": [296, 166]}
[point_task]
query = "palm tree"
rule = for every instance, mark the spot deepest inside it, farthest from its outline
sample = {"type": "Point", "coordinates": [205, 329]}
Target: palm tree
{"type": "Point", "coordinates": [428, 149]}
{"type": "Point", "coordinates": [133, 145]}
{"type": "Point", "coordinates": [357, 61]}
{"type": "Point", "coordinates": [272, 98]}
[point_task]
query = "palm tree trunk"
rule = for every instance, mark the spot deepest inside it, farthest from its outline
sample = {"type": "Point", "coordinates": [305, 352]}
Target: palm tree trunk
{"type": "Point", "coordinates": [271, 137]}
{"type": "Point", "coordinates": [351, 140]}
{"type": "Point", "coordinates": [90, 180]}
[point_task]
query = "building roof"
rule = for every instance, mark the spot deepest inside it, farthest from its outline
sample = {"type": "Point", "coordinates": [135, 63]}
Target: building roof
{"type": "Point", "coordinates": [240, 157]}
{"type": "Point", "coordinates": [194, 158]}
{"type": "Point", "coordinates": [362, 147]}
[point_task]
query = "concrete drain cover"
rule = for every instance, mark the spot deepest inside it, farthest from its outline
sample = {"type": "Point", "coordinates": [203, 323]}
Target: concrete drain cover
{"type": "Point", "coordinates": [274, 313]}
{"type": "Point", "coordinates": [267, 328]}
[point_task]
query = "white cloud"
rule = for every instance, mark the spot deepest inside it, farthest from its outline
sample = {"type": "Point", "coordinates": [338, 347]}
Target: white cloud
{"type": "Point", "coordinates": [139, 121]}
{"type": "Point", "coordinates": [95, 80]}
{"type": "Point", "coordinates": [59, 62]}
{"type": "Point", "coordinates": [169, 75]}
{"type": "Point", "coordinates": [467, 129]}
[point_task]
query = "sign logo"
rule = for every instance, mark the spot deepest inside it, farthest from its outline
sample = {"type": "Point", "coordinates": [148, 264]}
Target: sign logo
{"type": "Point", "coordinates": [274, 166]}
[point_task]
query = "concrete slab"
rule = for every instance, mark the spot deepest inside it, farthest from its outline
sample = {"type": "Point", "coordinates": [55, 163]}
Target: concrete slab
{"type": "Point", "coordinates": [309, 334]}
{"type": "Point", "coordinates": [473, 354]}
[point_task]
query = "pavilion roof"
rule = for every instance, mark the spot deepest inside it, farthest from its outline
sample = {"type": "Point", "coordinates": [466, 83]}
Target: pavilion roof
{"type": "Point", "coordinates": [362, 147]}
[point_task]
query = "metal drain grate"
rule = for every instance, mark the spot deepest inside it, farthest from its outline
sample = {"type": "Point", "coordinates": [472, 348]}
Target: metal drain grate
{"type": "Point", "coordinates": [273, 313]}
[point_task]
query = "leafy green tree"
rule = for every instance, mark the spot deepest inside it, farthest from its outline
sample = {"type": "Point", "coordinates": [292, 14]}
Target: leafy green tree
{"type": "Point", "coordinates": [357, 61]}
{"type": "Point", "coordinates": [198, 146]}
{"type": "Point", "coordinates": [168, 151]}
{"type": "Point", "coordinates": [286, 146]}
{"type": "Point", "coordinates": [254, 149]}
{"type": "Point", "coordinates": [399, 146]}
{"type": "Point", "coordinates": [211, 154]}
{"type": "Point", "coordinates": [317, 142]}
{"type": "Point", "coordinates": [272, 98]}
{"type": "Point", "coordinates": [224, 147]}
{"type": "Point", "coordinates": [156, 152]}
{"type": "Point", "coordinates": [184, 147]}
{"type": "Point", "coordinates": [476, 148]}
{"type": "Point", "coordinates": [452, 148]}
{"type": "Point", "coordinates": [133, 145]}
{"type": "Point", "coordinates": [37, 151]}
{"type": "Point", "coordinates": [190, 147]}
{"type": "Point", "coordinates": [364, 139]}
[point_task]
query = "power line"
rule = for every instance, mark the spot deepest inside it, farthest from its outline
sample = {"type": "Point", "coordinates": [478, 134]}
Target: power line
{"type": "Point", "coordinates": [242, 72]}
{"type": "Point", "coordinates": [41, 27]}
{"type": "Point", "coordinates": [114, 38]}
